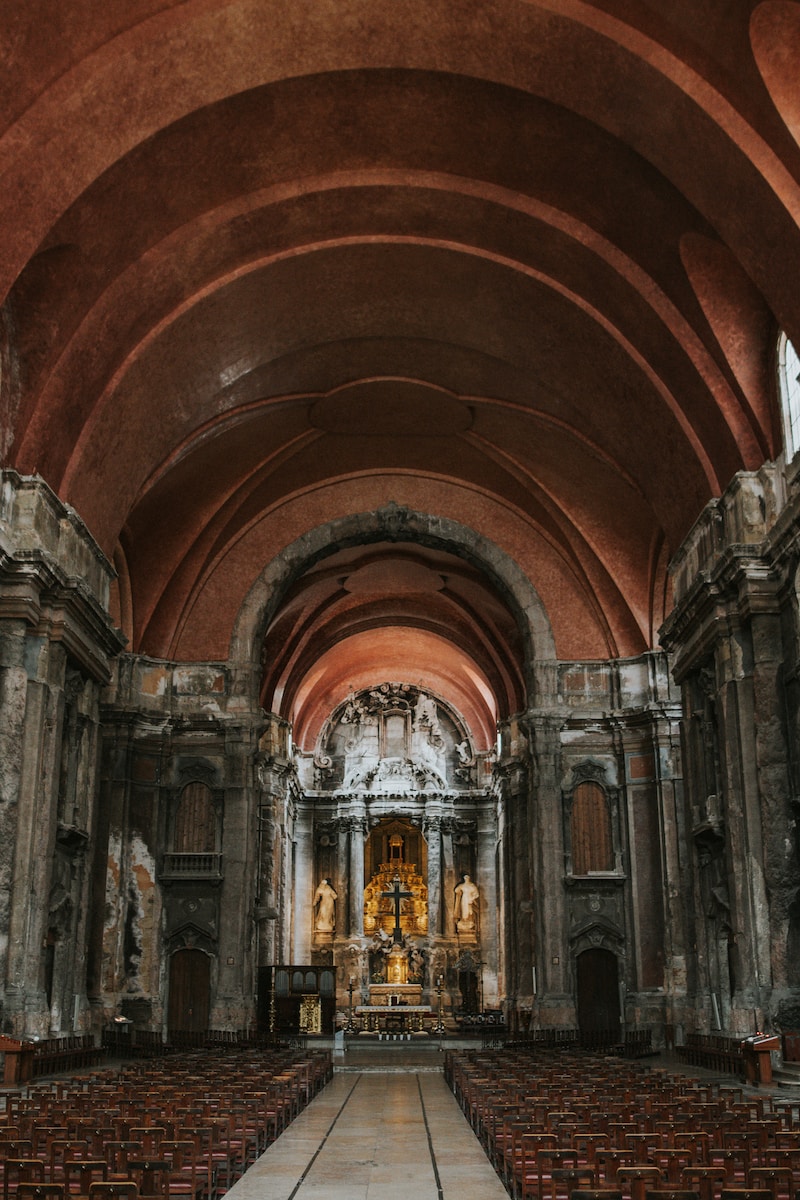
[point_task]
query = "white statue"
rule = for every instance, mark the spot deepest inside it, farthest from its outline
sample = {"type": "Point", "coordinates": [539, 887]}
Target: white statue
{"type": "Point", "coordinates": [324, 903]}
{"type": "Point", "coordinates": [426, 715]}
{"type": "Point", "coordinates": [466, 901]}
{"type": "Point", "coordinates": [463, 752]}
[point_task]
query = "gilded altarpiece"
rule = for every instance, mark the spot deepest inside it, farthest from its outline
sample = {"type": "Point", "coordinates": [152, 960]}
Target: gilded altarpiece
{"type": "Point", "coordinates": [391, 798]}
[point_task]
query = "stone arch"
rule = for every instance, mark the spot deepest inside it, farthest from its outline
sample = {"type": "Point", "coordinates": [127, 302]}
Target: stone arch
{"type": "Point", "coordinates": [396, 523]}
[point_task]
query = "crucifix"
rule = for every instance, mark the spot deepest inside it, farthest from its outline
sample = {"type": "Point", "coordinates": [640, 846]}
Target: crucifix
{"type": "Point", "coordinates": [397, 894]}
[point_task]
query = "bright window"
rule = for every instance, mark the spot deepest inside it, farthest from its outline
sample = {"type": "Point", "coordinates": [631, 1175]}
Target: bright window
{"type": "Point", "coordinates": [789, 383]}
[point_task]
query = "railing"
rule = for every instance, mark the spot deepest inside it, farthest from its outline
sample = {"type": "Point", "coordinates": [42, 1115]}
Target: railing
{"type": "Point", "coordinates": [191, 866]}
{"type": "Point", "coordinates": [716, 1051]}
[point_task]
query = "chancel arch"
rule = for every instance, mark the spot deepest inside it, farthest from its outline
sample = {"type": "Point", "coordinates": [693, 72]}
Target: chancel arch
{"type": "Point", "coordinates": [394, 524]}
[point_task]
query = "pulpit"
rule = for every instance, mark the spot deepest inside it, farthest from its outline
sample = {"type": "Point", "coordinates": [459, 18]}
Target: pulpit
{"type": "Point", "coordinates": [757, 1053]}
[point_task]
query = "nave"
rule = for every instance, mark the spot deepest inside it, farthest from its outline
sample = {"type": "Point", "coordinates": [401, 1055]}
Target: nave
{"type": "Point", "coordinates": [399, 1120]}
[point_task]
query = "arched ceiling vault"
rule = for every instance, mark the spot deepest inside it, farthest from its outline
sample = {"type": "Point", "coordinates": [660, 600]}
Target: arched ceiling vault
{"type": "Point", "coordinates": [518, 266]}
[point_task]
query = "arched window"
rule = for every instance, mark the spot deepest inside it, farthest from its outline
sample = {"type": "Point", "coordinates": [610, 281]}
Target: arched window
{"type": "Point", "coordinates": [789, 388]}
{"type": "Point", "coordinates": [590, 829]}
{"type": "Point", "coordinates": [195, 821]}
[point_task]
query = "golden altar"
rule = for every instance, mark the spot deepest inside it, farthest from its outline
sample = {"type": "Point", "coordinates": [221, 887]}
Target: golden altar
{"type": "Point", "coordinates": [386, 995]}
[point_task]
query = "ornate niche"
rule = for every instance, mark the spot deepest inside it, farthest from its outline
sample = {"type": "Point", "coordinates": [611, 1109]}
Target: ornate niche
{"type": "Point", "coordinates": [191, 870]}
{"type": "Point", "coordinates": [591, 825]}
{"type": "Point", "coordinates": [194, 829]}
{"type": "Point", "coordinates": [394, 740]}
{"type": "Point", "coordinates": [396, 850]}
{"type": "Point", "coordinates": [593, 859]}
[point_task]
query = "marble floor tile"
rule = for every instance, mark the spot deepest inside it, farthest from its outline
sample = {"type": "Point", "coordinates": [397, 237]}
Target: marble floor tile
{"type": "Point", "coordinates": [376, 1136]}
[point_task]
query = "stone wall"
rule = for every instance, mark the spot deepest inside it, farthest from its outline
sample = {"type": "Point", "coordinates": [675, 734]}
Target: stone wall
{"type": "Point", "coordinates": [733, 638]}
{"type": "Point", "coordinates": [56, 648]}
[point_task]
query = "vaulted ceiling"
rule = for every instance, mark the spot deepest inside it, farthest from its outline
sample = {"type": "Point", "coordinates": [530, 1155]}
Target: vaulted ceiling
{"type": "Point", "coordinates": [519, 266]}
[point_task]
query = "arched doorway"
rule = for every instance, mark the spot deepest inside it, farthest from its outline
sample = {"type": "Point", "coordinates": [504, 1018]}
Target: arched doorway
{"type": "Point", "coordinates": [597, 976]}
{"type": "Point", "coordinates": [189, 991]}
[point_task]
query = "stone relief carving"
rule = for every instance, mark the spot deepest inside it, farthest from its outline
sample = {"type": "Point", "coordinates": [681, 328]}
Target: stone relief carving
{"type": "Point", "coordinates": [393, 739]}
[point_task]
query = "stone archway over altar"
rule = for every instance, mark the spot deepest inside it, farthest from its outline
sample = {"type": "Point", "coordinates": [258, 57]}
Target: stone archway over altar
{"type": "Point", "coordinates": [396, 795]}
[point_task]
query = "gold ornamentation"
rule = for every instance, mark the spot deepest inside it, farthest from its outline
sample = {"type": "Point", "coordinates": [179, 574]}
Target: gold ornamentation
{"type": "Point", "coordinates": [379, 910]}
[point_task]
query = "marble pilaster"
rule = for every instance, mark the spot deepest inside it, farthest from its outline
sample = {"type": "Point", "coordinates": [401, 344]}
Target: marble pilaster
{"type": "Point", "coordinates": [432, 829]}
{"type": "Point", "coordinates": [357, 834]}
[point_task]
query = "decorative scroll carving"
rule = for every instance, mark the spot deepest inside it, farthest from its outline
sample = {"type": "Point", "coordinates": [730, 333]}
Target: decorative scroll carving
{"type": "Point", "coordinates": [393, 739]}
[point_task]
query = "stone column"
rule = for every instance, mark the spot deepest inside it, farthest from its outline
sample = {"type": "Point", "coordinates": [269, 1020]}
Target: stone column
{"type": "Point", "coordinates": [106, 955]}
{"type": "Point", "coordinates": [543, 932]}
{"type": "Point", "coordinates": [35, 843]}
{"type": "Point", "coordinates": [13, 708]}
{"type": "Point", "coordinates": [342, 872]}
{"type": "Point", "coordinates": [489, 927]}
{"type": "Point", "coordinates": [266, 910]}
{"type": "Point", "coordinates": [779, 853]}
{"type": "Point", "coordinates": [432, 829]}
{"type": "Point", "coordinates": [756, 814]}
{"type": "Point", "coordinates": [234, 998]}
{"type": "Point", "coordinates": [448, 880]}
{"type": "Point", "coordinates": [519, 907]}
{"type": "Point", "coordinates": [303, 887]}
{"type": "Point", "coordinates": [358, 832]}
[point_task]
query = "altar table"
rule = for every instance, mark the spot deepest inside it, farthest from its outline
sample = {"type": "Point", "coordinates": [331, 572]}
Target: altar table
{"type": "Point", "coordinates": [394, 1018]}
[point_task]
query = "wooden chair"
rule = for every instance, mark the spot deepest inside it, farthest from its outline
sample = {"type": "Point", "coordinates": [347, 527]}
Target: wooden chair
{"type": "Point", "coordinates": [709, 1181]}
{"type": "Point", "coordinates": [151, 1176]}
{"type": "Point", "coordinates": [96, 1135]}
{"type": "Point", "coordinates": [16, 1148]}
{"type": "Point", "coordinates": [697, 1142]}
{"type": "Point", "coordinates": [190, 1170]}
{"type": "Point", "coordinates": [61, 1151]}
{"type": "Point", "coordinates": [21, 1170]}
{"type": "Point", "coordinates": [114, 1189]}
{"type": "Point", "coordinates": [671, 1163]}
{"type": "Point", "coordinates": [40, 1191]}
{"type": "Point", "coordinates": [518, 1155]}
{"type": "Point", "coordinates": [149, 1136]}
{"type": "Point", "coordinates": [745, 1194]}
{"type": "Point", "coordinates": [538, 1166]}
{"type": "Point", "coordinates": [595, 1194]}
{"type": "Point", "coordinates": [778, 1181]}
{"type": "Point", "coordinates": [211, 1140]}
{"type": "Point", "coordinates": [608, 1162]}
{"type": "Point", "coordinates": [563, 1181]}
{"type": "Point", "coordinates": [116, 1153]}
{"type": "Point", "coordinates": [671, 1194]}
{"type": "Point", "coordinates": [645, 1145]}
{"type": "Point", "coordinates": [635, 1180]}
{"type": "Point", "coordinates": [80, 1173]}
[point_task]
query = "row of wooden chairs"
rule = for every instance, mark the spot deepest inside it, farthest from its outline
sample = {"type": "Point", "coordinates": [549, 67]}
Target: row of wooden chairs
{"type": "Point", "coordinates": [188, 1125]}
{"type": "Point", "coordinates": [557, 1122]}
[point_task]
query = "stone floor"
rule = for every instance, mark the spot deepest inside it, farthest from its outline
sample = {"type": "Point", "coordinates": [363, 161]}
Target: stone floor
{"type": "Point", "coordinates": [386, 1128]}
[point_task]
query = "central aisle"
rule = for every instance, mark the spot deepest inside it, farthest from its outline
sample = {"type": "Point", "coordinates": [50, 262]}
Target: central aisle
{"type": "Point", "coordinates": [396, 1135]}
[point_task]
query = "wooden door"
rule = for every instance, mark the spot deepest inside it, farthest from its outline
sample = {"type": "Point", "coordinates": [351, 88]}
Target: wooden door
{"type": "Point", "coordinates": [468, 986]}
{"type": "Point", "coordinates": [598, 995]}
{"type": "Point", "coordinates": [189, 990]}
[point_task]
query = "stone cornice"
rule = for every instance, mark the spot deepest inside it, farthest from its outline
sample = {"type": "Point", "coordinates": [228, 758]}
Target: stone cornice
{"type": "Point", "coordinates": [61, 608]}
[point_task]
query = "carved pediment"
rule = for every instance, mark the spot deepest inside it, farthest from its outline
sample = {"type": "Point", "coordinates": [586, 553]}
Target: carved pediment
{"type": "Point", "coordinates": [393, 739]}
